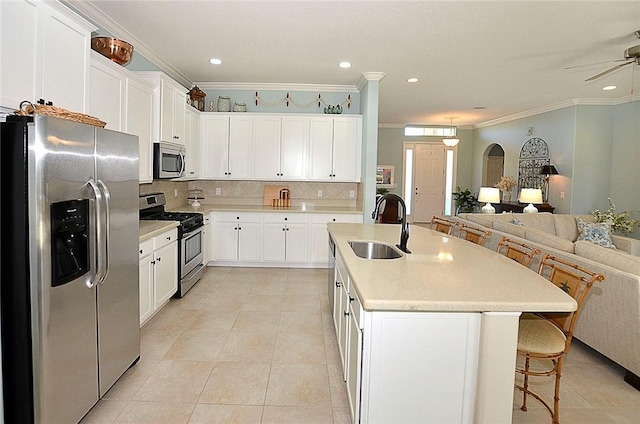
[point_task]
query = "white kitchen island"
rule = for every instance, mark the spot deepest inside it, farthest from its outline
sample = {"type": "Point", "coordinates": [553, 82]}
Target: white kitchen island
{"type": "Point", "coordinates": [431, 337]}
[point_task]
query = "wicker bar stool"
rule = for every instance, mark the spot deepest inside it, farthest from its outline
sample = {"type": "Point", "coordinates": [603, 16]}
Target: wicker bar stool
{"type": "Point", "coordinates": [473, 234]}
{"type": "Point", "coordinates": [443, 225]}
{"type": "Point", "coordinates": [519, 252]}
{"type": "Point", "coordinates": [547, 336]}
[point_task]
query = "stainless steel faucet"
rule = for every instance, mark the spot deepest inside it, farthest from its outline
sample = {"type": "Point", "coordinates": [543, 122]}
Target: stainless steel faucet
{"type": "Point", "coordinates": [404, 232]}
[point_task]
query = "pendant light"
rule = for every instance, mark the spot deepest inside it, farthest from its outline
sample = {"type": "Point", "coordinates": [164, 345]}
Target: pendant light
{"type": "Point", "coordinates": [452, 140]}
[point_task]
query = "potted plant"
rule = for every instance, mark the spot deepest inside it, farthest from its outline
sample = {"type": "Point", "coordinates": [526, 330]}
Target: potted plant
{"type": "Point", "coordinates": [465, 200]}
{"type": "Point", "coordinates": [621, 223]}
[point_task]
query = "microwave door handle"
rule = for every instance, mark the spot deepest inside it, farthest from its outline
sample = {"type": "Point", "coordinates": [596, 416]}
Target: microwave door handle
{"type": "Point", "coordinates": [182, 164]}
{"type": "Point", "coordinates": [107, 229]}
{"type": "Point", "coordinates": [98, 235]}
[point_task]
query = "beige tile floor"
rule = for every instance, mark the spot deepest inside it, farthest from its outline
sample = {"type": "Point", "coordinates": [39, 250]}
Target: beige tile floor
{"type": "Point", "coordinates": [250, 345]}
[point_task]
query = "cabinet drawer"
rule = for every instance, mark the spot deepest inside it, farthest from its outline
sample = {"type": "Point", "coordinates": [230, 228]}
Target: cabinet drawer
{"type": "Point", "coordinates": [237, 217]}
{"type": "Point", "coordinates": [325, 218]}
{"type": "Point", "coordinates": [165, 238]}
{"type": "Point", "coordinates": [288, 218]}
{"type": "Point", "coordinates": [146, 247]}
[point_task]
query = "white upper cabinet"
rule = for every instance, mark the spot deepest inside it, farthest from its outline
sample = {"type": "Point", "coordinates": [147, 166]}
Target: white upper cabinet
{"type": "Point", "coordinates": [169, 104]}
{"type": "Point", "coordinates": [107, 92]}
{"type": "Point", "coordinates": [172, 115]}
{"type": "Point", "coordinates": [192, 134]}
{"type": "Point", "coordinates": [139, 121]}
{"type": "Point", "coordinates": [45, 54]}
{"type": "Point", "coordinates": [214, 146]}
{"type": "Point", "coordinates": [280, 147]}
{"type": "Point", "coordinates": [335, 148]}
{"type": "Point", "coordinates": [125, 102]}
{"type": "Point", "coordinates": [226, 147]}
{"type": "Point", "coordinates": [266, 147]}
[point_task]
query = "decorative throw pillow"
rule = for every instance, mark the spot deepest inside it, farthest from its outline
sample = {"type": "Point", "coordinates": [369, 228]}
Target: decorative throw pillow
{"type": "Point", "coordinates": [516, 221]}
{"type": "Point", "coordinates": [598, 233]}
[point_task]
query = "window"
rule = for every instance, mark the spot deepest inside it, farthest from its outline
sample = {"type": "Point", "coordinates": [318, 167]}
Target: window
{"type": "Point", "coordinates": [408, 179]}
{"type": "Point", "coordinates": [429, 131]}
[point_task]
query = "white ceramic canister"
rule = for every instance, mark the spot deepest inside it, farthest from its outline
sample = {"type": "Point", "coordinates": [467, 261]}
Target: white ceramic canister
{"type": "Point", "coordinates": [240, 107]}
{"type": "Point", "coordinates": [224, 104]}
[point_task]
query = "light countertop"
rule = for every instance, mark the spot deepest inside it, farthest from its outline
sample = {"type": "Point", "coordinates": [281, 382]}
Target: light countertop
{"type": "Point", "coordinates": [443, 273]}
{"type": "Point", "coordinates": [149, 229]}
{"type": "Point", "coordinates": [204, 208]}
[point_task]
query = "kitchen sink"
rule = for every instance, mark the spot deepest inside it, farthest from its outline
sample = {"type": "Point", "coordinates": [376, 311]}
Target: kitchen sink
{"type": "Point", "coordinates": [374, 250]}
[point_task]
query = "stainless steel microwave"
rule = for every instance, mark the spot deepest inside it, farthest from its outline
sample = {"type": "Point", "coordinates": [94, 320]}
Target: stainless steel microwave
{"type": "Point", "coordinates": [168, 160]}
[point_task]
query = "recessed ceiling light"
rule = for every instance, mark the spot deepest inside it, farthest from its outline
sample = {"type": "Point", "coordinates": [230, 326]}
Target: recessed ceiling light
{"type": "Point", "coordinates": [609, 87]}
{"type": "Point", "coordinates": [413, 79]}
{"type": "Point", "coordinates": [215, 61]}
{"type": "Point", "coordinates": [345, 65]}
{"type": "Point", "coordinates": [479, 107]}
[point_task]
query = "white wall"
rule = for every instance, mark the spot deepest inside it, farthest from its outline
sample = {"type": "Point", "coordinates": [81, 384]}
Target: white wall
{"type": "Point", "coordinates": [625, 157]}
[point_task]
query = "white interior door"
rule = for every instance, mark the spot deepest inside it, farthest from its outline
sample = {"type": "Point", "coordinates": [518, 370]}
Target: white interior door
{"type": "Point", "coordinates": [429, 165]}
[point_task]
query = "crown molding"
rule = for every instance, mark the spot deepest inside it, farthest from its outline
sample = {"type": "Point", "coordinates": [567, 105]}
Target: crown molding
{"type": "Point", "coordinates": [97, 17]}
{"type": "Point", "coordinates": [275, 87]}
{"type": "Point", "coordinates": [557, 106]}
{"type": "Point", "coordinates": [369, 76]}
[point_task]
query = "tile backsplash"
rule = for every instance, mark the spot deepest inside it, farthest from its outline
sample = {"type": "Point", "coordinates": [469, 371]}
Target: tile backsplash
{"type": "Point", "coordinates": [252, 192]}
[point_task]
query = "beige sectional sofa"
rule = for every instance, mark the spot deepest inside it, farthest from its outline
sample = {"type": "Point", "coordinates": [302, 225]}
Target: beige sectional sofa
{"type": "Point", "coordinates": [610, 319]}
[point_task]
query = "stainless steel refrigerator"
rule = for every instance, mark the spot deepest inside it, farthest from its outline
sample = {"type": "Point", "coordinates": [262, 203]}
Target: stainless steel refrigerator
{"type": "Point", "coordinates": [69, 253]}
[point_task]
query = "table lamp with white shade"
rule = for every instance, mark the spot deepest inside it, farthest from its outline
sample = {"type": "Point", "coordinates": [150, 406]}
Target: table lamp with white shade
{"type": "Point", "coordinates": [489, 195]}
{"type": "Point", "coordinates": [530, 196]}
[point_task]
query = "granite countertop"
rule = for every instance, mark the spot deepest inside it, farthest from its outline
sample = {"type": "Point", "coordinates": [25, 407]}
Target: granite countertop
{"type": "Point", "coordinates": [306, 208]}
{"type": "Point", "coordinates": [443, 273]}
{"type": "Point", "coordinates": [149, 229]}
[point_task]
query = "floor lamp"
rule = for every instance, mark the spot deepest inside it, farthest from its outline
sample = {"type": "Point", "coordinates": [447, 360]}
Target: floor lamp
{"type": "Point", "coordinates": [547, 171]}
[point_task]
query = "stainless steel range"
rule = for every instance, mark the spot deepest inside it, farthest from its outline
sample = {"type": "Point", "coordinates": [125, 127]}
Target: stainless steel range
{"type": "Point", "coordinates": [190, 267]}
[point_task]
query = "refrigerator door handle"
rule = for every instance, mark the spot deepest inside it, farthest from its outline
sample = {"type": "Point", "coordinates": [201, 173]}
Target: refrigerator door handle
{"type": "Point", "coordinates": [98, 232]}
{"type": "Point", "coordinates": [107, 228]}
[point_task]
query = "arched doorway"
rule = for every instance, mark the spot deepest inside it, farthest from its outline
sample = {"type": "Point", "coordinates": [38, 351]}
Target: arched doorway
{"type": "Point", "coordinates": [493, 165]}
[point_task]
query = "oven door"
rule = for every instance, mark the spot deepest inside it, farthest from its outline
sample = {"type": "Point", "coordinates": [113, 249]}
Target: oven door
{"type": "Point", "coordinates": [168, 161]}
{"type": "Point", "coordinates": [191, 251]}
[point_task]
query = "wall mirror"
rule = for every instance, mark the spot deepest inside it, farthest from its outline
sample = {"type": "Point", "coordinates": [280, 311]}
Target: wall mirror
{"type": "Point", "coordinates": [385, 176]}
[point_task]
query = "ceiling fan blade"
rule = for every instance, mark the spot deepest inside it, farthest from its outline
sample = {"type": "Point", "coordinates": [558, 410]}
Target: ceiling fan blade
{"type": "Point", "coordinates": [608, 71]}
{"type": "Point", "coordinates": [594, 64]}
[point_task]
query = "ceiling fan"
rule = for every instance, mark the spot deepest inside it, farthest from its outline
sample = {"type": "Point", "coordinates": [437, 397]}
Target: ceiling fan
{"type": "Point", "coordinates": [631, 56]}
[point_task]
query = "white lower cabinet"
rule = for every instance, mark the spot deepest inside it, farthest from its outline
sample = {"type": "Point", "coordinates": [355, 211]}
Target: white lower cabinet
{"type": "Point", "coordinates": [285, 238]}
{"type": "Point", "coordinates": [237, 237]}
{"type": "Point", "coordinates": [207, 239]}
{"type": "Point", "coordinates": [158, 273]}
{"type": "Point", "coordinates": [272, 238]}
{"type": "Point", "coordinates": [405, 367]}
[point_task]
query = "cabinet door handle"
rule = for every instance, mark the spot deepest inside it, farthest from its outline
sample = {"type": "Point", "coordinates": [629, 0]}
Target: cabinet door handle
{"type": "Point", "coordinates": [159, 259]}
{"type": "Point", "coordinates": [141, 251]}
{"type": "Point", "coordinates": [169, 238]}
{"type": "Point", "coordinates": [338, 284]}
{"type": "Point", "coordinates": [351, 299]}
{"type": "Point", "coordinates": [346, 314]}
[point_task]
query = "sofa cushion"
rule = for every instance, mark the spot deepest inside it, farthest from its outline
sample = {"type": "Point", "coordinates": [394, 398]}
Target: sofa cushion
{"type": "Point", "coordinates": [613, 258]}
{"type": "Point", "coordinates": [550, 240]}
{"type": "Point", "coordinates": [480, 219]}
{"type": "Point", "coordinates": [507, 227]}
{"type": "Point", "coordinates": [597, 233]}
{"type": "Point", "coordinates": [541, 221]}
{"type": "Point", "coordinates": [567, 227]}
